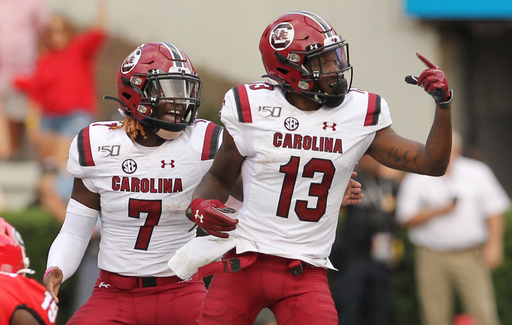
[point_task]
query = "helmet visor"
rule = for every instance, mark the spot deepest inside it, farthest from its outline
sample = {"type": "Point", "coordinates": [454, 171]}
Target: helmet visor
{"type": "Point", "coordinates": [330, 59]}
{"type": "Point", "coordinates": [181, 90]}
{"type": "Point", "coordinates": [176, 88]}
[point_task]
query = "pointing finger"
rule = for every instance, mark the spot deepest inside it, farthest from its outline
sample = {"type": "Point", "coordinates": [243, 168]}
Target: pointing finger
{"type": "Point", "coordinates": [427, 62]}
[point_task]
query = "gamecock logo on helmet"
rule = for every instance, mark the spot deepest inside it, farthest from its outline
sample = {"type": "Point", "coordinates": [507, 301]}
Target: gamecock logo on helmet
{"type": "Point", "coordinates": [282, 36]}
{"type": "Point", "coordinates": [131, 61]}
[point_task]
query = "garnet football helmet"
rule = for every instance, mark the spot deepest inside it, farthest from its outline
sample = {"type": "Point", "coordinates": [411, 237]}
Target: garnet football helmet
{"type": "Point", "coordinates": [298, 49]}
{"type": "Point", "coordinates": [13, 258]}
{"type": "Point", "coordinates": [155, 73]}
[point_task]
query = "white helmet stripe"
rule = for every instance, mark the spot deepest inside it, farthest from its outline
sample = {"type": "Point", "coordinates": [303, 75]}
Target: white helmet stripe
{"type": "Point", "coordinates": [324, 25]}
{"type": "Point", "coordinates": [176, 54]}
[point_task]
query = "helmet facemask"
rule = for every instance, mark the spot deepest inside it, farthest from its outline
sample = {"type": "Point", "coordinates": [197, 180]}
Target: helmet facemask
{"type": "Point", "coordinates": [180, 90]}
{"type": "Point", "coordinates": [331, 64]}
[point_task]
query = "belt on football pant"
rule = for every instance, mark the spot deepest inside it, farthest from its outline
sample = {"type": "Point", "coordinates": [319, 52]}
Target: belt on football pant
{"type": "Point", "coordinates": [228, 265]}
{"type": "Point", "coordinates": [235, 264]}
{"type": "Point", "coordinates": [132, 282]}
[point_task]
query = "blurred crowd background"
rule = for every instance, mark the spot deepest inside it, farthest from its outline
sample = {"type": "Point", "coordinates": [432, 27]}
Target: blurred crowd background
{"type": "Point", "coordinates": [43, 106]}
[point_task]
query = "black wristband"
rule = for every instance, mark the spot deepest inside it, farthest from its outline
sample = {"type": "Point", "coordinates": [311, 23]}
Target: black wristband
{"type": "Point", "coordinates": [444, 105]}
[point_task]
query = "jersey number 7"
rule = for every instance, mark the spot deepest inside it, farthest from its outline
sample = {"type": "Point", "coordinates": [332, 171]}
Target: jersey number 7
{"type": "Point", "coordinates": [153, 209]}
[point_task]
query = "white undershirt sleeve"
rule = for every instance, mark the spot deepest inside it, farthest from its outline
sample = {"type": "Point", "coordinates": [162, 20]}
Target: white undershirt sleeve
{"type": "Point", "coordinates": [69, 246]}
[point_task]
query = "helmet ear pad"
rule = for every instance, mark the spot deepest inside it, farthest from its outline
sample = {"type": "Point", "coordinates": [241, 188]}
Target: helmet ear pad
{"type": "Point", "coordinates": [131, 95]}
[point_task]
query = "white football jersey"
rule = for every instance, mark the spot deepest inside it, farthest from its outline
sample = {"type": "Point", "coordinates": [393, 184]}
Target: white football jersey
{"type": "Point", "coordinates": [143, 195]}
{"type": "Point", "coordinates": [297, 166]}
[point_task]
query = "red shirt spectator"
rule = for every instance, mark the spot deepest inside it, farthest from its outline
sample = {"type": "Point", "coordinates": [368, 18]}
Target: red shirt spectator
{"type": "Point", "coordinates": [64, 80]}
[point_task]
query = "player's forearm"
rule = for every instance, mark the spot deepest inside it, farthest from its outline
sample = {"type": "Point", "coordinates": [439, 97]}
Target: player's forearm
{"type": "Point", "coordinates": [66, 252]}
{"type": "Point", "coordinates": [223, 175]}
{"type": "Point", "coordinates": [212, 188]}
{"type": "Point", "coordinates": [238, 191]}
{"type": "Point", "coordinates": [436, 154]}
{"type": "Point", "coordinates": [69, 247]}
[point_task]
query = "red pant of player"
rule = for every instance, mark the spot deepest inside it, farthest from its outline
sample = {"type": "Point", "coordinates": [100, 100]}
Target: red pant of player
{"type": "Point", "coordinates": [142, 301]}
{"type": "Point", "coordinates": [237, 298]}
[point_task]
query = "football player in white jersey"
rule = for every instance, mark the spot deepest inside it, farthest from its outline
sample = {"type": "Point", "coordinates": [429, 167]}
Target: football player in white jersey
{"type": "Point", "coordinates": [295, 140]}
{"type": "Point", "coordinates": [138, 176]}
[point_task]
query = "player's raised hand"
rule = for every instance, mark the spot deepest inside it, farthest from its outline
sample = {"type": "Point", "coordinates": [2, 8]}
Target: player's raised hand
{"type": "Point", "coordinates": [212, 216]}
{"type": "Point", "coordinates": [52, 281]}
{"type": "Point", "coordinates": [433, 80]}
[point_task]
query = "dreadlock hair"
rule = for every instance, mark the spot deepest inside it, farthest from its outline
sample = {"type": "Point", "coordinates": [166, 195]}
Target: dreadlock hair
{"type": "Point", "coordinates": [132, 127]}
